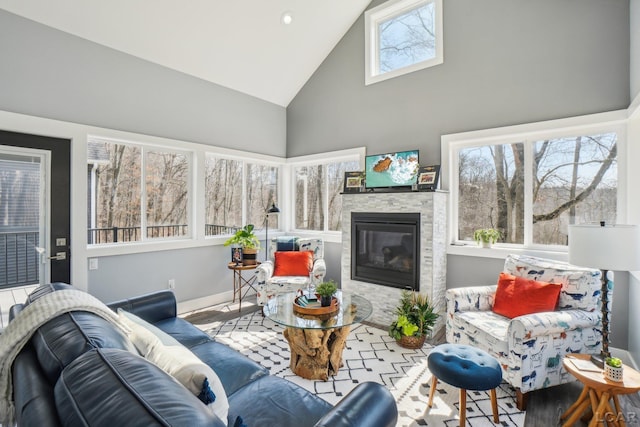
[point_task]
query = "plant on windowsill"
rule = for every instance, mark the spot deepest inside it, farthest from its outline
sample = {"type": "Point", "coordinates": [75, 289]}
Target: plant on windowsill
{"type": "Point", "coordinates": [486, 236]}
{"type": "Point", "coordinates": [613, 369]}
{"type": "Point", "coordinates": [325, 292]}
{"type": "Point", "coordinates": [246, 238]}
{"type": "Point", "coordinates": [415, 319]}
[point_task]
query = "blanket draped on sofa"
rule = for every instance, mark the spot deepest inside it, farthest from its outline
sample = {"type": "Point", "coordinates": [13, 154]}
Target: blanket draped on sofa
{"type": "Point", "coordinates": [19, 331]}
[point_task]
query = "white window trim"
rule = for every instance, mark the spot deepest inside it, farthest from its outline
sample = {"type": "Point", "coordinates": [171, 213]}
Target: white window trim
{"type": "Point", "coordinates": [352, 154]}
{"type": "Point", "coordinates": [383, 12]}
{"type": "Point", "coordinates": [613, 121]}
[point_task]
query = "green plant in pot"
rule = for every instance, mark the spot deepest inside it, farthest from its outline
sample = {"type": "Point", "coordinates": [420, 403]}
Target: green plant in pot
{"type": "Point", "coordinates": [415, 318]}
{"type": "Point", "coordinates": [613, 369]}
{"type": "Point", "coordinates": [246, 238]}
{"type": "Point", "coordinates": [486, 236]}
{"type": "Point", "coordinates": [325, 291]}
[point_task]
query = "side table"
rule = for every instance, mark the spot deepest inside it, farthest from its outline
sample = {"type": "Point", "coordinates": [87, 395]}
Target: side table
{"type": "Point", "coordinates": [240, 282]}
{"type": "Point", "coordinates": [598, 392]}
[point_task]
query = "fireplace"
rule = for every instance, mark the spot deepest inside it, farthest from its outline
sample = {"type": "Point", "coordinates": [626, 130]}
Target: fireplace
{"type": "Point", "coordinates": [386, 248]}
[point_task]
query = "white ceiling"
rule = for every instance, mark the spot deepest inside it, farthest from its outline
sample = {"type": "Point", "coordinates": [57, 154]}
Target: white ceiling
{"type": "Point", "coordinates": [239, 44]}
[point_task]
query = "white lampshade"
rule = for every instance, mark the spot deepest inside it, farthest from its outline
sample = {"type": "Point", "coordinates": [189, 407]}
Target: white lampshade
{"type": "Point", "coordinates": [608, 247]}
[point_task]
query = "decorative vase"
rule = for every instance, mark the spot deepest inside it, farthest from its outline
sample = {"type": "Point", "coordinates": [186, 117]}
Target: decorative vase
{"type": "Point", "coordinates": [612, 373]}
{"type": "Point", "coordinates": [325, 301]}
{"type": "Point", "coordinates": [411, 342]}
{"type": "Point", "coordinates": [486, 245]}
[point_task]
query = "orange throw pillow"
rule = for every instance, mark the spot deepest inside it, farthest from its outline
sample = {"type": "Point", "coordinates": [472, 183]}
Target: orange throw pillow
{"type": "Point", "coordinates": [517, 296]}
{"type": "Point", "coordinates": [293, 263]}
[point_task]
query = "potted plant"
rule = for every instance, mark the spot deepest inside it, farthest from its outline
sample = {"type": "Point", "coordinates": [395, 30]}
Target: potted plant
{"type": "Point", "coordinates": [613, 369]}
{"type": "Point", "coordinates": [325, 291]}
{"type": "Point", "coordinates": [246, 238]}
{"type": "Point", "coordinates": [415, 318]}
{"type": "Point", "coordinates": [486, 236]}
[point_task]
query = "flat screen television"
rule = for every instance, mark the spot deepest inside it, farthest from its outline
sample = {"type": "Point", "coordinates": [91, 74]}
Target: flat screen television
{"type": "Point", "coordinates": [388, 170]}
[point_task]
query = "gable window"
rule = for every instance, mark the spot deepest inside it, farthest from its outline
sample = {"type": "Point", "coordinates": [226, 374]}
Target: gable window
{"type": "Point", "coordinates": [136, 192]}
{"type": "Point", "coordinates": [532, 186]}
{"type": "Point", "coordinates": [402, 36]}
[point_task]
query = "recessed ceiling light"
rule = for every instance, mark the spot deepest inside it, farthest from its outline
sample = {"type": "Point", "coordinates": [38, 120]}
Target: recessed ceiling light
{"type": "Point", "coordinates": [286, 18]}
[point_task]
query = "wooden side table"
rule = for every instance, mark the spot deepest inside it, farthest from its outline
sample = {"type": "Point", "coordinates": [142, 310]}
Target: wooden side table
{"type": "Point", "coordinates": [240, 282]}
{"type": "Point", "coordinates": [597, 394]}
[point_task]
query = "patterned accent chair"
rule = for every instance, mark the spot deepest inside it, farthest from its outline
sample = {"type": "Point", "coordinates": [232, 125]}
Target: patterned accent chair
{"type": "Point", "coordinates": [530, 347]}
{"type": "Point", "coordinates": [269, 285]}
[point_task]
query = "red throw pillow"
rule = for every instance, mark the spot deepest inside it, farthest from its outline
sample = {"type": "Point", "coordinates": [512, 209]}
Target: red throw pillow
{"type": "Point", "coordinates": [517, 296]}
{"type": "Point", "coordinates": [293, 263]}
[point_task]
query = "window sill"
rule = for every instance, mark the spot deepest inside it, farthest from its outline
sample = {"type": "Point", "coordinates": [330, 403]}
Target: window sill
{"type": "Point", "coordinates": [501, 252]}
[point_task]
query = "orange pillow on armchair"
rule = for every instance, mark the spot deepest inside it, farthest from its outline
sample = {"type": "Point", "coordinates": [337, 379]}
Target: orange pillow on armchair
{"type": "Point", "coordinates": [517, 296]}
{"type": "Point", "coordinates": [293, 263]}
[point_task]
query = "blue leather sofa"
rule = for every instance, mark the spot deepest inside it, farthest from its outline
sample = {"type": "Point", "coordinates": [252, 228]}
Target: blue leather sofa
{"type": "Point", "coordinates": [78, 369]}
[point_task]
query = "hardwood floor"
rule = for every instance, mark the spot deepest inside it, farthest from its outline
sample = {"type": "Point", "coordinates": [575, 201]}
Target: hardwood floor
{"type": "Point", "coordinates": [9, 297]}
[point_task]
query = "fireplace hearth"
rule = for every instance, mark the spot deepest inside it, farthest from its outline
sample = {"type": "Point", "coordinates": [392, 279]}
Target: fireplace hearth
{"type": "Point", "coordinates": [385, 249]}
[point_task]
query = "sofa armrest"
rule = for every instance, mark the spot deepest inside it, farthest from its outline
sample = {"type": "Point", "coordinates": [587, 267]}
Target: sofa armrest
{"type": "Point", "coordinates": [319, 271]}
{"type": "Point", "coordinates": [264, 271]}
{"type": "Point", "coordinates": [530, 326]}
{"type": "Point", "coordinates": [471, 298]}
{"type": "Point", "coordinates": [151, 307]}
{"type": "Point", "coordinates": [369, 404]}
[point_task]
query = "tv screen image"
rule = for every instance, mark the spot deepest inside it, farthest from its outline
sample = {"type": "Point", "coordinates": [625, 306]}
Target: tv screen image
{"type": "Point", "coordinates": [392, 169]}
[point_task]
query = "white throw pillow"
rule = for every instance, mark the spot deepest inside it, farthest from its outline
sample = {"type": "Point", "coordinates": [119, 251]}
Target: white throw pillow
{"type": "Point", "coordinates": [178, 361]}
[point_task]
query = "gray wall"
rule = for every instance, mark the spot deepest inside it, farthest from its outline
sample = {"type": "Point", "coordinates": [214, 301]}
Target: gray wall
{"type": "Point", "coordinates": [634, 17]}
{"type": "Point", "coordinates": [505, 63]}
{"type": "Point", "coordinates": [48, 73]}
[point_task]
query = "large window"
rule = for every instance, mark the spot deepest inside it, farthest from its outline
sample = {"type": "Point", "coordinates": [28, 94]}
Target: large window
{"type": "Point", "coordinates": [123, 210]}
{"type": "Point", "coordinates": [531, 187]}
{"type": "Point", "coordinates": [317, 188]}
{"type": "Point", "coordinates": [402, 36]}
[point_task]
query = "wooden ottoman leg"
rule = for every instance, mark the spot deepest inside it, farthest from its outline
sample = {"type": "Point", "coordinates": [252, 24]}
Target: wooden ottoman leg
{"type": "Point", "coordinates": [432, 391]}
{"type": "Point", "coordinates": [463, 407]}
{"type": "Point", "coordinates": [494, 406]}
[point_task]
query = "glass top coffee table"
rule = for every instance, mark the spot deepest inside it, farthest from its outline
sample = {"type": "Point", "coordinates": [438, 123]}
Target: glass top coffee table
{"type": "Point", "coordinates": [317, 341]}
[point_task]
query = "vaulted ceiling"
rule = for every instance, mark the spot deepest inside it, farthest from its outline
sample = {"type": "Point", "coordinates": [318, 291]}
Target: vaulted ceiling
{"type": "Point", "coordinates": [240, 44]}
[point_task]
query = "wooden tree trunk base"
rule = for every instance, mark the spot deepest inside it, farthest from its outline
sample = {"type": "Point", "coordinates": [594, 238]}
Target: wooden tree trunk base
{"type": "Point", "coordinates": [316, 353]}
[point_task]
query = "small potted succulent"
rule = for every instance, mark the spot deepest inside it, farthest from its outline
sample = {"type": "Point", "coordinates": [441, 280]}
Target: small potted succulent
{"type": "Point", "coordinates": [415, 319]}
{"type": "Point", "coordinates": [486, 236]}
{"type": "Point", "coordinates": [325, 291]}
{"type": "Point", "coordinates": [246, 238]}
{"type": "Point", "coordinates": [613, 369]}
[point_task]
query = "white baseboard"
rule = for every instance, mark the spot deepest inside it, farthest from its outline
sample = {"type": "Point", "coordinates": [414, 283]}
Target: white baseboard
{"type": "Point", "coordinates": [624, 356]}
{"type": "Point", "coordinates": [208, 301]}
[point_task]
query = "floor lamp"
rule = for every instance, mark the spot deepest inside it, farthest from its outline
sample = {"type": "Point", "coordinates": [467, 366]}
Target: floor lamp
{"type": "Point", "coordinates": [272, 210]}
{"type": "Point", "coordinates": [608, 248]}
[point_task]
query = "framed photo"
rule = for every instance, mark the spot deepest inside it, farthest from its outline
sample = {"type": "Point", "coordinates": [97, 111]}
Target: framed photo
{"type": "Point", "coordinates": [236, 255]}
{"type": "Point", "coordinates": [353, 181]}
{"type": "Point", "coordinates": [428, 178]}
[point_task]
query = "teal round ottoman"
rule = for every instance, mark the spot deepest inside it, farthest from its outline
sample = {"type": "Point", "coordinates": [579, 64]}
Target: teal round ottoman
{"type": "Point", "coordinates": [467, 368]}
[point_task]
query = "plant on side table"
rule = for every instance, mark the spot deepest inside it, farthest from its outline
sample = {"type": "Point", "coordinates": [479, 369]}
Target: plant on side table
{"type": "Point", "coordinates": [415, 318]}
{"type": "Point", "coordinates": [246, 238]}
{"type": "Point", "coordinates": [325, 291]}
{"type": "Point", "coordinates": [613, 369]}
{"type": "Point", "coordinates": [486, 236]}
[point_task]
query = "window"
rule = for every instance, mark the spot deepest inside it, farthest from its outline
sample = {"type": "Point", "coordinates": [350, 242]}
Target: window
{"type": "Point", "coordinates": [121, 209]}
{"type": "Point", "coordinates": [402, 36]}
{"type": "Point", "coordinates": [531, 187]}
{"type": "Point", "coordinates": [317, 187]}
{"type": "Point", "coordinates": [224, 194]}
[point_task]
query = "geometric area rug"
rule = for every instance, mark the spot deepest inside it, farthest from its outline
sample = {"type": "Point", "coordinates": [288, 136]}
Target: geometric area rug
{"type": "Point", "coordinates": [370, 355]}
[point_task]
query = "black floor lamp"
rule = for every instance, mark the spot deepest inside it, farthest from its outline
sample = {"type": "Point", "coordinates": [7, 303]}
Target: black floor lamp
{"type": "Point", "coordinates": [272, 210]}
{"type": "Point", "coordinates": [608, 248]}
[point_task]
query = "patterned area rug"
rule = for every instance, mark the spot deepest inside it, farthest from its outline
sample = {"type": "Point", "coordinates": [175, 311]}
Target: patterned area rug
{"type": "Point", "coordinates": [370, 355]}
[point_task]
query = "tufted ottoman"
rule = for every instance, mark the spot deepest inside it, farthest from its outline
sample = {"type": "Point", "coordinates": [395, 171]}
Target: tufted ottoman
{"type": "Point", "coordinates": [466, 368]}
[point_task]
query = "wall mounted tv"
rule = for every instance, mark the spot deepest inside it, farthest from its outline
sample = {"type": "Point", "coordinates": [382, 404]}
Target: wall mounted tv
{"type": "Point", "coordinates": [388, 170]}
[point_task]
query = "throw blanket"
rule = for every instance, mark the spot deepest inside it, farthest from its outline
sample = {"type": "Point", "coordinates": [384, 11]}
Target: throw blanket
{"type": "Point", "coordinates": [19, 331]}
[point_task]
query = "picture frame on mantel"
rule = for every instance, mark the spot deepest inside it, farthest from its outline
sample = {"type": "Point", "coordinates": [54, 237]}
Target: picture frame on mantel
{"type": "Point", "coordinates": [353, 181]}
{"type": "Point", "coordinates": [428, 176]}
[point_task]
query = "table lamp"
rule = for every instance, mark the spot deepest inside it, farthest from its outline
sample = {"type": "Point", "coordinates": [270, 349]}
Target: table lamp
{"type": "Point", "coordinates": [608, 248]}
{"type": "Point", "coordinates": [272, 210]}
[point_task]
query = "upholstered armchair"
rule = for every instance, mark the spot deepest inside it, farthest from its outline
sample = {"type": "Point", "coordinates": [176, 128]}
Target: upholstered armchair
{"type": "Point", "coordinates": [292, 263]}
{"type": "Point", "coordinates": [530, 347]}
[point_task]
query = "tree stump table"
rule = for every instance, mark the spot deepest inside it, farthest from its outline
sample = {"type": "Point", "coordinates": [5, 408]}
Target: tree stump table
{"type": "Point", "coordinates": [316, 342]}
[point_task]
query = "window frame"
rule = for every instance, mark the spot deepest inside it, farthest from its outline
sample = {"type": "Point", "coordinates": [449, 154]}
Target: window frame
{"type": "Point", "coordinates": [348, 155]}
{"type": "Point", "coordinates": [528, 134]}
{"type": "Point", "coordinates": [388, 10]}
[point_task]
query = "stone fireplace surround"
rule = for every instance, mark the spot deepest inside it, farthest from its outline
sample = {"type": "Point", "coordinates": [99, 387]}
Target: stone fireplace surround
{"type": "Point", "coordinates": [433, 254]}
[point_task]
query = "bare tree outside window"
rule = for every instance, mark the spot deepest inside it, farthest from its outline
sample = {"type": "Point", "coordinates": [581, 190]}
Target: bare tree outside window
{"type": "Point", "coordinates": [223, 195]}
{"type": "Point", "coordinates": [574, 180]}
{"type": "Point", "coordinates": [262, 191]}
